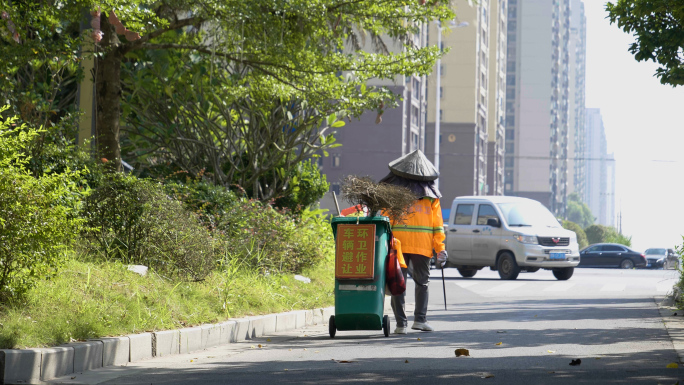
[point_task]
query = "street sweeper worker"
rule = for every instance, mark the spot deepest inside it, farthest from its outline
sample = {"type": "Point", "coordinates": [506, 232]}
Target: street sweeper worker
{"type": "Point", "coordinates": [421, 233]}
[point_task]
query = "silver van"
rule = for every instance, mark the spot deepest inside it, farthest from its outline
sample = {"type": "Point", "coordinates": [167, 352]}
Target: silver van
{"type": "Point", "coordinates": [508, 234]}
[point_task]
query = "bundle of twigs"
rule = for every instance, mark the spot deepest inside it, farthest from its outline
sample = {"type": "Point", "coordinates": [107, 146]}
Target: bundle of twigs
{"type": "Point", "coordinates": [393, 200]}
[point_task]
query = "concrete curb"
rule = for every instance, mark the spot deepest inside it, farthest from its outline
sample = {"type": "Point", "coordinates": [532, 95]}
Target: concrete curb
{"type": "Point", "coordinates": [31, 366]}
{"type": "Point", "coordinates": [673, 324]}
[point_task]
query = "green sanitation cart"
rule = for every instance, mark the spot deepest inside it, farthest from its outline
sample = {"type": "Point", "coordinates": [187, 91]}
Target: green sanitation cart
{"type": "Point", "coordinates": [361, 246]}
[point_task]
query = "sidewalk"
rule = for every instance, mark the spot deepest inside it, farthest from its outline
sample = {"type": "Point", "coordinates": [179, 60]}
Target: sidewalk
{"type": "Point", "coordinates": [205, 358]}
{"type": "Point", "coordinates": [673, 319]}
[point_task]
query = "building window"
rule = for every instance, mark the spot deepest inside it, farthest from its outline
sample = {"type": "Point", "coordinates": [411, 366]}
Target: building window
{"type": "Point", "coordinates": [441, 116]}
{"type": "Point", "coordinates": [441, 70]}
{"type": "Point", "coordinates": [414, 141]}
{"type": "Point", "coordinates": [415, 114]}
{"type": "Point", "coordinates": [335, 187]}
{"type": "Point", "coordinates": [510, 135]}
{"type": "Point", "coordinates": [336, 160]}
{"type": "Point", "coordinates": [441, 92]}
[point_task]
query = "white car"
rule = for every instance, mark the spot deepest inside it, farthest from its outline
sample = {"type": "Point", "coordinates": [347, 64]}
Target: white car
{"type": "Point", "coordinates": [510, 235]}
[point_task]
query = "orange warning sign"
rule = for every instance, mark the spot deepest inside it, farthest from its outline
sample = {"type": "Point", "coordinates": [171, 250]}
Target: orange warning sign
{"type": "Point", "coordinates": [355, 252]}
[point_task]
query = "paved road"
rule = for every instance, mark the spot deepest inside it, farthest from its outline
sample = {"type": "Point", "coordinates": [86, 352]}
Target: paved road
{"type": "Point", "coordinates": [518, 332]}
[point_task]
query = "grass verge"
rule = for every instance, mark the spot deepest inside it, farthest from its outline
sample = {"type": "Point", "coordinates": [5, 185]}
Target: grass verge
{"type": "Point", "coordinates": [89, 300]}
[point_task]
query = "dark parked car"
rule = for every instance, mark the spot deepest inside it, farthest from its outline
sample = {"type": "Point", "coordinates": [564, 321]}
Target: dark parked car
{"type": "Point", "coordinates": [661, 258]}
{"type": "Point", "coordinates": [673, 259]}
{"type": "Point", "coordinates": [611, 255]}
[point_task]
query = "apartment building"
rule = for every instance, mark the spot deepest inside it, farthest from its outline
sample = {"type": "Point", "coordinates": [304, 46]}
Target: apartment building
{"type": "Point", "coordinates": [600, 170]}
{"type": "Point", "coordinates": [496, 128]}
{"type": "Point", "coordinates": [577, 48]}
{"type": "Point", "coordinates": [542, 59]}
{"type": "Point", "coordinates": [368, 147]}
{"type": "Point", "coordinates": [471, 93]}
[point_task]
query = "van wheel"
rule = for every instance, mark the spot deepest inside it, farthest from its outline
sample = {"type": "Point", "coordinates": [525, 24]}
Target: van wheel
{"type": "Point", "coordinates": [563, 274]}
{"type": "Point", "coordinates": [508, 268]}
{"type": "Point", "coordinates": [626, 264]}
{"type": "Point", "coordinates": [467, 273]}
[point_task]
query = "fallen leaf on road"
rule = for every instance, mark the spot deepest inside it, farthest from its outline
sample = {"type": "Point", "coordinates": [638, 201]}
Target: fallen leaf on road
{"type": "Point", "coordinates": [487, 375]}
{"type": "Point", "coordinates": [552, 372]}
{"type": "Point", "coordinates": [286, 370]}
{"type": "Point", "coordinates": [462, 352]}
{"type": "Point", "coordinates": [191, 360]}
{"type": "Point", "coordinates": [535, 315]}
{"type": "Point", "coordinates": [344, 362]}
{"type": "Point", "coordinates": [406, 362]}
{"type": "Point", "coordinates": [289, 350]}
{"type": "Point", "coordinates": [501, 331]}
{"type": "Point", "coordinates": [260, 346]}
{"type": "Point", "coordinates": [418, 339]}
{"type": "Point", "coordinates": [575, 362]}
{"type": "Point", "coordinates": [499, 343]}
{"type": "Point", "coordinates": [304, 348]}
{"type": "Point", "coordinates": [316, 351]}
{"type": "Point", "coordinates": [252, 347]}
{"type": "Point", "coordinates": [268, 340]}
{"type": "Point", "coordinates": [551, 351]}
{"type": "Point", "coordinates": [673, 365]}
{"type": "Point", "coordinates": [598, 358]}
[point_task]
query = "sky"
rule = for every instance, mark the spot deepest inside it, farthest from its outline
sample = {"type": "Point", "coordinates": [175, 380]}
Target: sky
{"type": "Point", "coordinates": [644, 122]}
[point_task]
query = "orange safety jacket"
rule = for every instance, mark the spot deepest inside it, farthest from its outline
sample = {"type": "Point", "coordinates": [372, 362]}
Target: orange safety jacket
{"type": "Point", "coordinates": [422, 230]}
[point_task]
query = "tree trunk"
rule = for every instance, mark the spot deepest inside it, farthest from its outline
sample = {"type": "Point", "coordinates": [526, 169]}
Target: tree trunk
{"type": "Point", "coordinates": [108, 94]}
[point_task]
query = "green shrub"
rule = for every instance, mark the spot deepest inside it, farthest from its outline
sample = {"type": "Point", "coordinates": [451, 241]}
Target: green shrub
{"type": "Point", "coordinates": [581, 236]}
{"type": "Point", "coordinates": [134, 221]}
{"type": "Point", "coordinates": [600, 234]}
{"type": "Point", "coordinates": [307, 186]}
{"type": "Point", "coordinates": [205, 199]}
{"type": "Point", "coordinates": [595, 234]}
{"type": "Point", "coordinates": [37, 214]}
{"type": "Point", "coordinates": [261, 238]}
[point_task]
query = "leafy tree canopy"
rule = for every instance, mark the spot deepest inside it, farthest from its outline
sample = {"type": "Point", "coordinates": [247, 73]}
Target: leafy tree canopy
{"type": "Point", "coordinates": [658, 26]}
{"type": "Point", "coordinates": [321, 51]}
{"type": "Point", "coordinates": [578, 211]}
{"type": "Point", "coordinates": [606, 234]}
{"type": "Point", "coordinates": [581, 236]}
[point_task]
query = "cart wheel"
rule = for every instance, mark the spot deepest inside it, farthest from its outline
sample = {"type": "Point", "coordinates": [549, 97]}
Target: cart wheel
{"type": "Point", "coordinates": [385, 325]}
{"type": "Point", "coordinates": [331, 326]}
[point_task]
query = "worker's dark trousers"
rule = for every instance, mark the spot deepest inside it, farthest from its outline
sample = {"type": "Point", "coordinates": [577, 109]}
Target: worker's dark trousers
{"type": "Point", "coordinates": [420, 271]}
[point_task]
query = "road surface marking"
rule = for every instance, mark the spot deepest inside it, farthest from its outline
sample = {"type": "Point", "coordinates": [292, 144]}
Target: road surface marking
{"type": "Point", "coordinates": [510, 286]}
{"type": "Point", "coordinates": [560, 286]}
{"type": "Point", "coordinates": [465, 284]}
{"type": "Point", "coordinates": [613, 287]}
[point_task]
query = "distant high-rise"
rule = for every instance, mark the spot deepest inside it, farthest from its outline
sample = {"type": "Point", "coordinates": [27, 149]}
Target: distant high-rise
{"type": "Point", "coordinates": [471, 92]}
{"type": "Point", "coordinates": [496, 110]}
{"type": "Point", "coordinates": [600, 170]}
{"type": "Point", "coordinates": [542, 59]}
{"type": "Point", "coordinates": [577, 68]}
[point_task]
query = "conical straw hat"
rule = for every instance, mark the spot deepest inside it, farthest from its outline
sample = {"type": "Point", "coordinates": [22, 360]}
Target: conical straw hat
{"type": "Point", "coordinates": [414, 166]}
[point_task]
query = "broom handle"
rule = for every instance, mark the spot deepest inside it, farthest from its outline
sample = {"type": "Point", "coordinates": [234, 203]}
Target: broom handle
{"type": "Point", "coordinates": [443, 286]}
{"type": "Point", "coordinates": [339, 213]}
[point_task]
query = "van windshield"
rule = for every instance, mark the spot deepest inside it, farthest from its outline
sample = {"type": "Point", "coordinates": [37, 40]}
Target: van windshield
{"type": "Point", "coordinates": [527, 214]}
